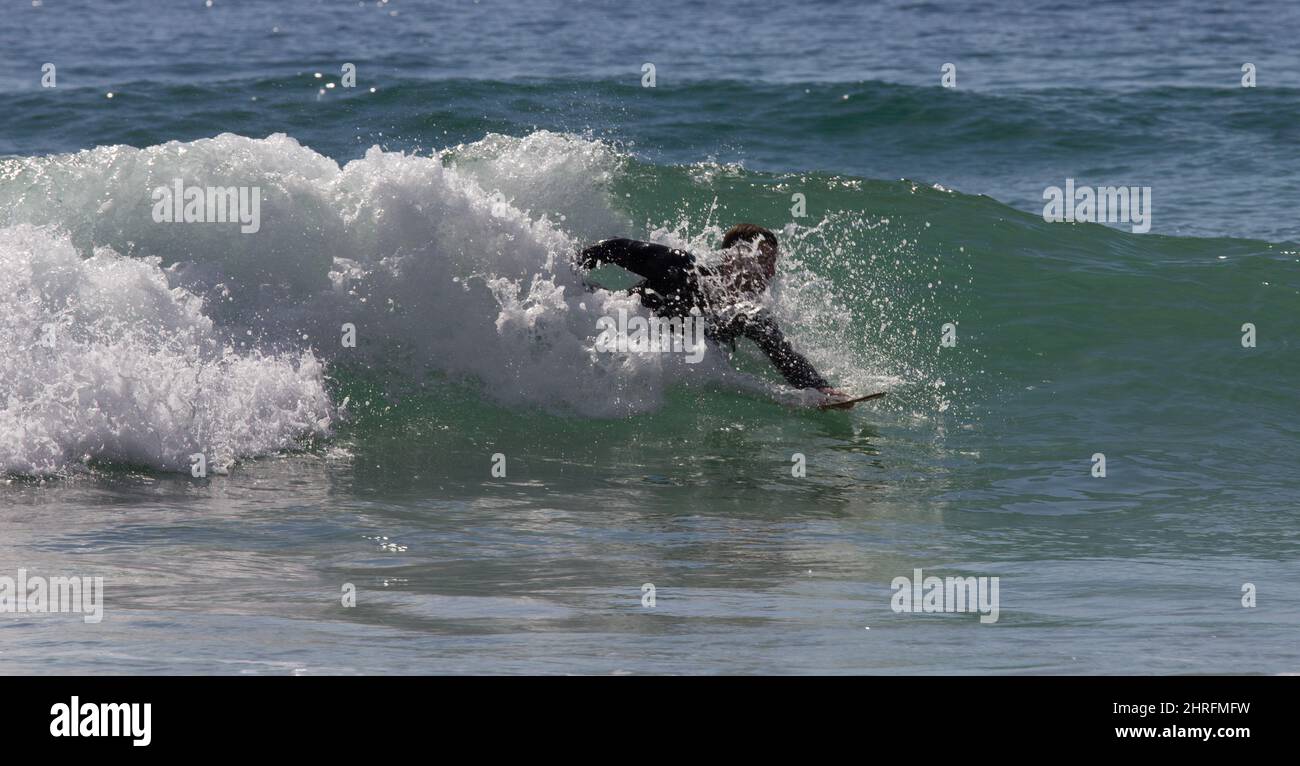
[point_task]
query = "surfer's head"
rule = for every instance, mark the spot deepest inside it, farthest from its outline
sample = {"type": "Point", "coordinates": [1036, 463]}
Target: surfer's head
{"type": "Point", "coordinates": [749, 254]}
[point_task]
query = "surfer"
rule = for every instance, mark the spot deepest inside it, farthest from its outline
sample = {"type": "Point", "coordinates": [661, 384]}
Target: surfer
{"type": "Point", "coordinates": [726, 297]}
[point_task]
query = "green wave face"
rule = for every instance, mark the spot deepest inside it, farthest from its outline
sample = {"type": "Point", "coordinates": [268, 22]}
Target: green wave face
{"type": "Point", "coordinates": [1070, 340]}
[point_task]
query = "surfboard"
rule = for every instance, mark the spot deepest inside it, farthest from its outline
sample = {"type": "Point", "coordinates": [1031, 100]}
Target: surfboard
{"type": "Point", "coordinates": [847, 404]}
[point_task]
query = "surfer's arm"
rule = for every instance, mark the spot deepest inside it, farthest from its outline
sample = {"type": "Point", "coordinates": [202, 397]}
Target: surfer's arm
{"type": "Point", "coordinates": [793, 366]}
{"type": "Point", "coordinates": [658, 263]}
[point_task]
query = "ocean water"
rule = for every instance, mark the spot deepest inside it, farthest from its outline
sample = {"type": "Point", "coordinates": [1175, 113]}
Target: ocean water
{"type": "Point", "coordinates": [434, 209]}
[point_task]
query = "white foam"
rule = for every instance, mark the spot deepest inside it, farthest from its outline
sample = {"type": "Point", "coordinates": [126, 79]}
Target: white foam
{"type": "Point", "coordinates": [133, 371]}
{"type": "Point", "coordinates": [456, 265]}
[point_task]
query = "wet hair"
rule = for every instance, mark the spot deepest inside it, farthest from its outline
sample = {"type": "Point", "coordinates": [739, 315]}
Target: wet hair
{"type": "Point", "coordinates": [747, 232]}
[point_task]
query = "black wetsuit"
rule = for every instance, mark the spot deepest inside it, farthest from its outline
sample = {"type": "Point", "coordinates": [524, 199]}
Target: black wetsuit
{"type": "Point", "coordinates": [671, 288]}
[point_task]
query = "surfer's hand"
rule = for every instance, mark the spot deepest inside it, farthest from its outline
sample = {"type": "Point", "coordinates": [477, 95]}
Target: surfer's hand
{"type": "Point", "coordinates": [831, 391]}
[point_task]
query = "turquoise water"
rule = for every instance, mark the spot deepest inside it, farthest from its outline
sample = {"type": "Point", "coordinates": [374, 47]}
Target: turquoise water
{"type": "Point", "coordinates": [437, 214]}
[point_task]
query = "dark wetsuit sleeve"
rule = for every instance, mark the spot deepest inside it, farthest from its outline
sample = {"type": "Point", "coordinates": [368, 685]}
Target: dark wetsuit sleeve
{"type": "Point", "coordinates": [660, 264]}
{"type": "Point", "coordinates": [797, 370]}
